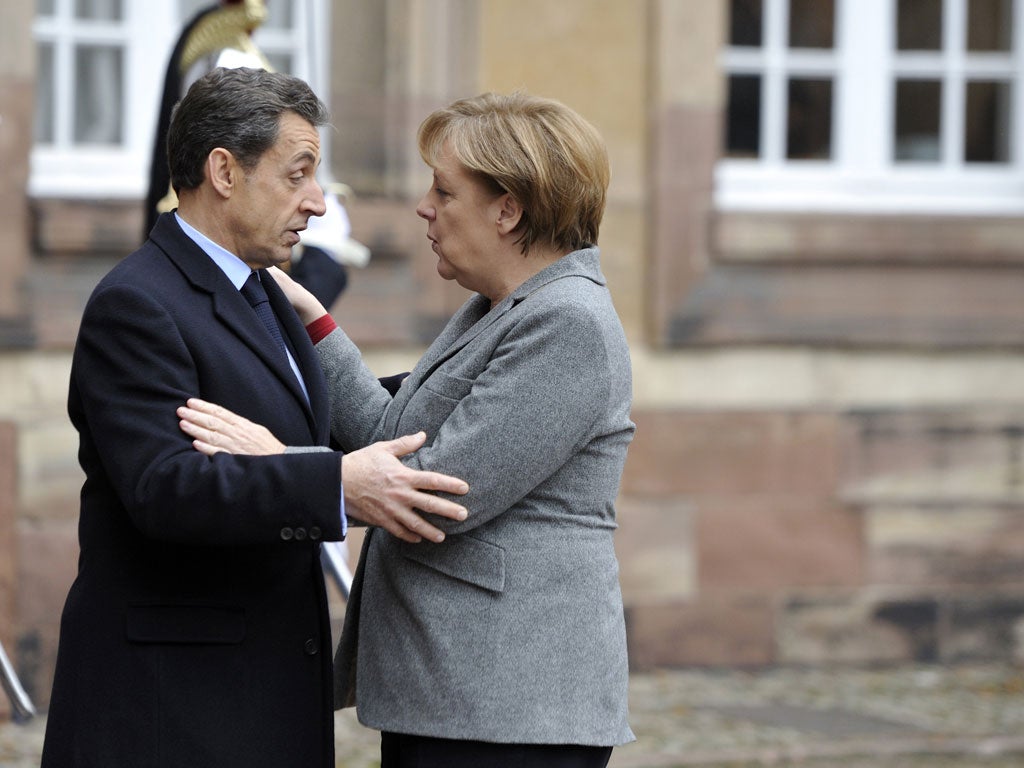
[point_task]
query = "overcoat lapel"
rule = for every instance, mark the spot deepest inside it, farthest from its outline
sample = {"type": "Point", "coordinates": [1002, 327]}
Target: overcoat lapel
{"type": "Point", "coordinates": [236, 314]}
{"type": "Point", "coordinates": [317, 409]}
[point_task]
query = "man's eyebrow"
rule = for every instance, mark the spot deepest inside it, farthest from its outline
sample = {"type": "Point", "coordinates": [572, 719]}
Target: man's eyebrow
{"type": "Point", "coordinates": [306, 156]}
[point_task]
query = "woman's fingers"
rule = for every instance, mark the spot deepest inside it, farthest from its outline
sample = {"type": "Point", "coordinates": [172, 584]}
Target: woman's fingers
{"type": "Point", "coordinates": [203, 440]}
{"type": "Point", "coordinates": [213, 411]}
{"type": "Point", "coordinates": [220, 429]}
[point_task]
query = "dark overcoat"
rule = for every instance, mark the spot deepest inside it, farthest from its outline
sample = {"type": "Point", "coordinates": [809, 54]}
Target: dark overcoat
{"type": "Point", "coordinates": [196, 632]}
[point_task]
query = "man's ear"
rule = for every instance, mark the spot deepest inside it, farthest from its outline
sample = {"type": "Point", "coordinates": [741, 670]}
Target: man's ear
{"type": "Point", "coordinates": [510, 214]}
{"type": "Point", "coordinates": [222, 171]}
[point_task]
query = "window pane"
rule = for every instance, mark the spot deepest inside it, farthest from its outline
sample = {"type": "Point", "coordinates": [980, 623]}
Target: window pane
{"type": "Point", "coordinates": [919, 25]}
{"type": "Point", "coordinates": [43, 126]}
{"type": "Point", "coordinates": [279, 14]}
{"type": "Point", "coordinates": [811, 23]}
{"type": "Point", "coordinates": [809, 120]}
{"type": "Point", "coordinates": [987, 122]}
{"type": "Point", "coordinates": [743, 124]}
{"type": "Point", "coordinates": [918, 107]}
{"type": "Point", "coordinates": [99, 10]}
{"type": "Point", "coordinates": [99, 101]}
{"type": "Point", "coordinates": [280, 62]}
{"type": "Point", "coordinates": [189, 8]}
{"type": "Point", "coordinates": [989, 25]}
{"type": "Point", "coordinates": [745, 23]}
{"type": "Point", "coordinates": [44, 7]}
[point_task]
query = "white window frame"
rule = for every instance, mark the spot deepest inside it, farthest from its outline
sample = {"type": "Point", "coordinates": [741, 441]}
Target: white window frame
{"type": "Point", "coordinates": [862, 177]}
{"type": "Point", "coordinates": [62, 169]}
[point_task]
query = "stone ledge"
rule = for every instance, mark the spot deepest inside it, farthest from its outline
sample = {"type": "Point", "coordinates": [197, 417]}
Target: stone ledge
{"type": "Point", "coordinates": [853, 306]}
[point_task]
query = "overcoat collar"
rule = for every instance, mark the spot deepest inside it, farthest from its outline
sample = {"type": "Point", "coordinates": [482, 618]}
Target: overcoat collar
{"type": "Point", "coordinates": [234, 311]}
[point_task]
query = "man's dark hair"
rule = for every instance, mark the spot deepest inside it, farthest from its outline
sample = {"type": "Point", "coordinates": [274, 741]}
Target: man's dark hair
{"type": "Point", "coordinates": [239, 110]}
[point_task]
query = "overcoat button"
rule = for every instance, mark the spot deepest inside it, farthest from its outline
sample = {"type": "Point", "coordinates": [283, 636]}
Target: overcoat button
{"type": "Point", "coordinates": [287, 533]}
{"type": "Point", "coordinates": [300, 534]}
{"type": "Point", "coordinates": [314, 533]}
{"type": "Point", "coordinates": [311, 647]}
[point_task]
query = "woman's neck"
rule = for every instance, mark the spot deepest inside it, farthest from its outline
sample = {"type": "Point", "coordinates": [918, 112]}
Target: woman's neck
{"type": "Point", "coordinates": [520, 269]}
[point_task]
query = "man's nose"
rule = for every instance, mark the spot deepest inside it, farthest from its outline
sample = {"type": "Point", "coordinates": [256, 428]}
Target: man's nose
{"type": "Point", "coordinates": [316, 204]}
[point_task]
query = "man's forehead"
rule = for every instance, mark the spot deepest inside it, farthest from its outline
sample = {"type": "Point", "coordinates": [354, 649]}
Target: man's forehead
{"type": "Point", "coordinates": [297, 139]}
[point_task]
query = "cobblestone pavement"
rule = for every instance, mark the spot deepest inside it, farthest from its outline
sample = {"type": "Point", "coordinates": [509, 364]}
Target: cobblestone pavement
{"type": "Point", "coordinates": [915, 717]}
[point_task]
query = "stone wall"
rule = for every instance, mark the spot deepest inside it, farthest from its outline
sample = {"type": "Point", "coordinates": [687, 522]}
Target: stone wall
{"type": "Point", "coordinates": [824, 537]}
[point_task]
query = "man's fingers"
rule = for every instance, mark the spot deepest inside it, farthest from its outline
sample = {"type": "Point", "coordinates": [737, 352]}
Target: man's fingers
{"type": "Point", "coordinates": [413, 528]}
{"type": "Point", "coordinates": [435, 481]}
{"type": "Point", "coordinates": [400, 446]}
{"type": "Point", "coordinates": [435, 505]}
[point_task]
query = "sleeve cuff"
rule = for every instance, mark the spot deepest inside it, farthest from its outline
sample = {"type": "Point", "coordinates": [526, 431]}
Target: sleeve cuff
{"type": "Point", "coordinates": [320, 328]}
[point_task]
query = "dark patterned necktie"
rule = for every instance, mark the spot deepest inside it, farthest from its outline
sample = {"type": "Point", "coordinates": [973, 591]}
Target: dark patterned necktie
{"type": "Point", "coordinates": [254, 293]}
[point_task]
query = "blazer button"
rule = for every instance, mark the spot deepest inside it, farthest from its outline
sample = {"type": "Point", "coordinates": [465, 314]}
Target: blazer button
{"type": "Point", "coordinates": [300, 534]}
{"type": "Point", "coordinates": [287, 533]}
{"type": "Point", "coordinates": [311, 647]}
{"type": "Point", "coordinates": [314, 533]}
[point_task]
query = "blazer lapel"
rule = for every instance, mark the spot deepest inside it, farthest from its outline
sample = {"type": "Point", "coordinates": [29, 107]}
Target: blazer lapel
{"type": "Point", "coordinates": [475, 316]}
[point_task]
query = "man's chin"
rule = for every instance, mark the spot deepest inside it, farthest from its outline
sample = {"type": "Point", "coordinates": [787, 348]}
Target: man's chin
{"type": "Point", "coordinates": [275, 259]}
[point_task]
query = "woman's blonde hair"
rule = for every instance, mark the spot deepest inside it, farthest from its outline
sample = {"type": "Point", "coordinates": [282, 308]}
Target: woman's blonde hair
{"type": "Point", "coordinates": [551, 160]}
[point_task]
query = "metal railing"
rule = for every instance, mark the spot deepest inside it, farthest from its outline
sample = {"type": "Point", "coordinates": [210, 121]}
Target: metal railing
{"type": "Point", "coordinates": [335, 563]}
{"type": "Point", "coordinates": [22, 709]}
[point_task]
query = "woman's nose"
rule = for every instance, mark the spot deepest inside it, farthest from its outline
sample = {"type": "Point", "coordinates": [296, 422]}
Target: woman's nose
{"type": "Point", "coordinates": [423, 210]}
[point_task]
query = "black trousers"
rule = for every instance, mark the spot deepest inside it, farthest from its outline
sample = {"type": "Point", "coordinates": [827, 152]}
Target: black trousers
{"type": "Point", "coordinates": [399, 750]}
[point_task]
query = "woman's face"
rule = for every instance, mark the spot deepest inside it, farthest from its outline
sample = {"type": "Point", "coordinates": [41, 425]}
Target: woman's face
{"type": "Point", "coordinates": [462, 216]}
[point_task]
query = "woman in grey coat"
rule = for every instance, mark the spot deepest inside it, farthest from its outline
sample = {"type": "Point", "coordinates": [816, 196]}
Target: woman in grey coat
{"type": "Point", "coordinates": [505, 644]}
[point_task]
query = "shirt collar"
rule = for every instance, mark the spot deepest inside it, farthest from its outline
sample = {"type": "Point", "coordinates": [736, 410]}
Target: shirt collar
{"type": "Point", "coordinates": [232, 266]}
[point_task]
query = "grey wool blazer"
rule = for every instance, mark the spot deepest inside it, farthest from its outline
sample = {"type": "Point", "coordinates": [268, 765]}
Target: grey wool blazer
{"type": "Point", "coordinates": [511, 630]}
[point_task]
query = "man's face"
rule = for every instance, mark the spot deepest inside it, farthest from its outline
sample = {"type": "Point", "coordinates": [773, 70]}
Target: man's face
{"type": "Point", "coordinates": [272, 203]}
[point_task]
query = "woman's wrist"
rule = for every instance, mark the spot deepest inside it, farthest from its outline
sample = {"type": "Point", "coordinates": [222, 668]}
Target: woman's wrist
{"type": "Point", "coordinates": [320, 328]}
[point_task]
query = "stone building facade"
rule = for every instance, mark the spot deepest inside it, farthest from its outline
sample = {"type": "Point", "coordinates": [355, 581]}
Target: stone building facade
{"type": "Point", "coordinates": [828, 460]}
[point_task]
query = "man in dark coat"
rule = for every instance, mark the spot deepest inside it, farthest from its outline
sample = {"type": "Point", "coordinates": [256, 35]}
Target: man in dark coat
{"type": "Point", "coordinates": [196, 632]}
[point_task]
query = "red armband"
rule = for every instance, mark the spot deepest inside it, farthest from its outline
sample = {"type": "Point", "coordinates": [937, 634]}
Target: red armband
{"type": "Point", "coordinates": [320, 327]}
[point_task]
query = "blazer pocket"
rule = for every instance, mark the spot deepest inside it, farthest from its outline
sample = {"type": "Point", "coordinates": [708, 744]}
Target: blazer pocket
{"type": "Point", "coordinates": [463, 557]}
{"type": "Point", "coordinates": [200, 624]}
{"type": "Point", "coordinates": [432, 403]}
{"type": "Point", "coordinates": [447, 386]}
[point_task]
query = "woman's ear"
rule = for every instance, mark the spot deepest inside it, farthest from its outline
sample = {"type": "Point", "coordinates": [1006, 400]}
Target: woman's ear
{"type": "Point", "coordinates": [222, 171]}
{"type": "Point", "coordinates": [510, 213]}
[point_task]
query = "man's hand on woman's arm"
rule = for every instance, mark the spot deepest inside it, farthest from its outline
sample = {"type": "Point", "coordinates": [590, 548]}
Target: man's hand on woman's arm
{"type": "Point", "coordinates": [379, 489]}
